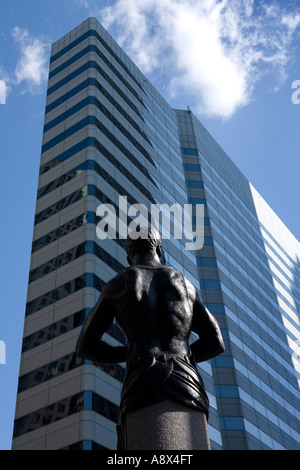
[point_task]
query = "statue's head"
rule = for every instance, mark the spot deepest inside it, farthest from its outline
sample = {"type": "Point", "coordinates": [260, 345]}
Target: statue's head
{"type": "Point", "coordinates": [146, 241]}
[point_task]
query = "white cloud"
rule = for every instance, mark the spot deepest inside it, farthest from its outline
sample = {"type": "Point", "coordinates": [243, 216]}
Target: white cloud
{"type": "Point", "coordinates": [83, 3]}
{"type": "Point", "coordinates": [211, 50]}
{"type": "Point", "coordinates": [32, 67]}
{"type": "Point", "coordinates": [2, 92]}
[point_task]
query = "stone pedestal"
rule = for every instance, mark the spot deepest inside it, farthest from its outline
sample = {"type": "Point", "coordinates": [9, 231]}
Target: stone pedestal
{"type": "Point", "coordinates": [167, 426]}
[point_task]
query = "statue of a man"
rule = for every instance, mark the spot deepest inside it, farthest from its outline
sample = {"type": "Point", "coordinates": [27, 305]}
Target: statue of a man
{"type": "Point", "coordinates": [163, 400]}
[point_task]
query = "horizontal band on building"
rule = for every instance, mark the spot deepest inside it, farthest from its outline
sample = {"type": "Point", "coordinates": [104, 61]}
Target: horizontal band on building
{"type": "Point", "coordinates": [86, 400]}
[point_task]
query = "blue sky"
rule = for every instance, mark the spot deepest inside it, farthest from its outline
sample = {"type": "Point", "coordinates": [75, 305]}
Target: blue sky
{"type": "Point", "coordinates": [232, 62]}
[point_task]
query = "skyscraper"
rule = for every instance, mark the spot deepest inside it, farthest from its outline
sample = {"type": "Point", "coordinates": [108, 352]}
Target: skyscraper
{"type": "Point", "coordinates": [257, 298]}
{"type": "Point", "coordinates": [110, 138]}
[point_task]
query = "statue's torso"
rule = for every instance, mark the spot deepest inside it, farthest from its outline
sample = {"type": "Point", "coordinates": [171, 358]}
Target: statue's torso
{"type": "Point", "coordinates": [156, 315]}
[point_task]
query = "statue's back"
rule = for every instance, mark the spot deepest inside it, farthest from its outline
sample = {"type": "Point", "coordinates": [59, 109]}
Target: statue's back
{"type": "Point", "coordinates": [157, 308]}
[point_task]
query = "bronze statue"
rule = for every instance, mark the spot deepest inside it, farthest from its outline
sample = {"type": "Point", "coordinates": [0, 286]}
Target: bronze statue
{"type": "Point", "coordinates": [157, 308]}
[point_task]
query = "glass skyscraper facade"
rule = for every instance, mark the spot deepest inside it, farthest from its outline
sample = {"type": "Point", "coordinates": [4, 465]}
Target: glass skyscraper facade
{"type": "Point", "coordinates": [109, 133]}
{"type": "Point", "coordinates": [256, 300]}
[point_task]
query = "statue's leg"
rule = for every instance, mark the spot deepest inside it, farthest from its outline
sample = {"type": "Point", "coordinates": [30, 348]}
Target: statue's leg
{"type": "Point", "coordinates": [167, 425]}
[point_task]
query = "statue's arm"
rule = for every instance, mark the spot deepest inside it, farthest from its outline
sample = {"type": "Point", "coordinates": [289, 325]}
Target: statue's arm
{"type": "Point", "coordinates": [89, 344]}
{"type": "Point", "coordinates": [210, 342]}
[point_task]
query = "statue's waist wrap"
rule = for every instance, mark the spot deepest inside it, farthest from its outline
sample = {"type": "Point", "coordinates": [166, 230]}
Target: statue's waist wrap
{"type": "Point", "coordinates": [152, 379]}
